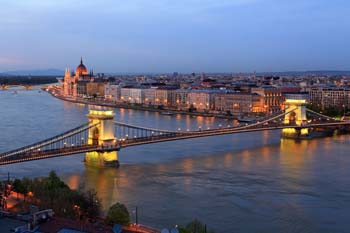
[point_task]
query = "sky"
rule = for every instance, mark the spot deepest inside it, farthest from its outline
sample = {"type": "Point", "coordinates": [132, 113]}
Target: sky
{"type": "Point", "coordinates": [175, 35]}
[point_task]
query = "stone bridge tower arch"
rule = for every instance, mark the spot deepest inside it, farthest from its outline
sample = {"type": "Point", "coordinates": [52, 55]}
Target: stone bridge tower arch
{"type": "Point", "coordinates": [102, 134]}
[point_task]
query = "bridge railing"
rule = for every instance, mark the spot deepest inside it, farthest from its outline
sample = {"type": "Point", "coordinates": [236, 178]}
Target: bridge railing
{"type": "Point", "coordinates": [48, 141]}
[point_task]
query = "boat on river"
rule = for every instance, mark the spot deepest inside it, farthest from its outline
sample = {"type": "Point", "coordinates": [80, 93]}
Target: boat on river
{"type": "Point", "coordinates": [167, 113]}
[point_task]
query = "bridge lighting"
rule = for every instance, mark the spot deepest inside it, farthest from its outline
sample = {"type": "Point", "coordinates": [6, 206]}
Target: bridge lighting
{"type": "Point", "coordinates": [126, 135]}
{"type": "Point", "coordinates": [220, 125]}
{"type": "Point", "coordinates": [72, 144]}
{"type": "Point", "coordinates": [228, 126]}
{"type": "Point", "coordinates": [161, 133]}
{"type": "Point", "coordinates": [179, 129]}
{"type": "Point", "coordinates": [188, 130]}
{"type": "Point", "coordinates": [208, 128]}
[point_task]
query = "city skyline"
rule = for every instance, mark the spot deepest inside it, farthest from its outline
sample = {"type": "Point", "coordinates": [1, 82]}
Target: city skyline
{"type": "Point", "coordinates": [192, 36]}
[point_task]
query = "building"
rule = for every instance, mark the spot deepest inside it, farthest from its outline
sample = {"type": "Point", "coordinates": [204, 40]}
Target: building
{"type": "Point", "coordinates": [73, 83]}
{"type": "Point", "coordinates": [132, 95]}
{"type": "Point", "coordinates": [202, 100]}
{"type": "Point", "coordinates": [95, 89]}
{"type": "Point", "coordinates": [162, 97]}
{"type": "Point", "coordinates": [81, 88]}
{"type": "Point", "coordinates": [180, 99]}
{"type": "Point", "coordinates": [238, 104]}
{"type": "Point", "coordinates": [112, 92]}
{"type": "Point", "coordinates": [272, 98]}
{"type": "Point", "coordinates": [326, 97]}
{"type": "Point", "coordinates": [149, 96]}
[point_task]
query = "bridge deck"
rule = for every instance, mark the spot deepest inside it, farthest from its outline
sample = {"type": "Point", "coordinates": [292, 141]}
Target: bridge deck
{"type": "Point", "coordinates": [28, 155]}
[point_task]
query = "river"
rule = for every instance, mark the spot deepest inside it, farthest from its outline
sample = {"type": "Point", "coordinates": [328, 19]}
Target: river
{"type": "Point", "coordinates": [253, 182]}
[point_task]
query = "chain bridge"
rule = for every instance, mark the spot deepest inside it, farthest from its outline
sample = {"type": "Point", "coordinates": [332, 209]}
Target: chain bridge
{"type": "Point", "coordinates": [102, 137]}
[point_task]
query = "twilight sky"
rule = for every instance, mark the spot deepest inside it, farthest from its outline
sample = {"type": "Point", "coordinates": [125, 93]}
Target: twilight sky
{"type": "Point", "coordinates": [176, 35]}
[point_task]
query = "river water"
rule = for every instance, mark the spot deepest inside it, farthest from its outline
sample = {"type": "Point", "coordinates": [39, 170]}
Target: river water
{"type": "Point", "coordinates": [253, 182]}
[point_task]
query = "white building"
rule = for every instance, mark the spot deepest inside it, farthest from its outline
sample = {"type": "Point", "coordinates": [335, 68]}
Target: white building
{"type": "Point", "coordinates": [149, 96]}
{"type": "Point", "coordinates": [132, 95]}
{"type": "Point", "coordinates": [201, 99]}
{"type": "Point", "coordinates": [112, 92]}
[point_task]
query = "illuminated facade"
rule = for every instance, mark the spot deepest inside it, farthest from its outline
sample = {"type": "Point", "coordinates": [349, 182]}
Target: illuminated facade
{"type": "Point", "coordinates": [323, 98]}
{"type": "Point", "coordinates": [71, 84]}
{"type": "Point", "coordinates": [131, 95]}
{"type": "Point", "coordinates": [238, 103]}
{"type": "Point", "coordinates": [202, 100]}
{"type": "Point", "coordinates": [272, 98]}
{"type": "Point", "coordinates": [295, 107]}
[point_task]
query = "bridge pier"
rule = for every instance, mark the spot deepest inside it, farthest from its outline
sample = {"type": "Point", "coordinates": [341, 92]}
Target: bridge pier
{"type": "Point", "coordinates": [101, 134]}
{"type": "Point", "coordinates": [296, 117]}
{"type": "Point", "coordinates": [102, 159]}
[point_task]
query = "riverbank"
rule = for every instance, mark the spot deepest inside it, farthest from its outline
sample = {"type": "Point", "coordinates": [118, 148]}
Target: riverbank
{"type": "Point", "coordinates": [165, 111]}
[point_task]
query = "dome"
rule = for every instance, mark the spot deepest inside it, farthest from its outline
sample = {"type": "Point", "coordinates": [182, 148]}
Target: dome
{"type": "Point", "coordinates": [81, 69]}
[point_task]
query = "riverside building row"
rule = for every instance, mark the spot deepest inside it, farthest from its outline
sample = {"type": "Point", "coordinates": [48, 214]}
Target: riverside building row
{"type": "Point", "coordinates": [84, 84]}
{"type": "Point", "coordinates": [208, 95]}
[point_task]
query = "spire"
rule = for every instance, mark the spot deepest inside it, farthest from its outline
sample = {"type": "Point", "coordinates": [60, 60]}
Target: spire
{"type": "Point", "coordinates": [81, 60]}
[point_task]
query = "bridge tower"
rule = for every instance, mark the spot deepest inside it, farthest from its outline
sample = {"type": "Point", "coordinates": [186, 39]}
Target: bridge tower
{"type": "Point", "coordinates": [101, 134]}
{"type": "Point", "coordinates": [295, 107]}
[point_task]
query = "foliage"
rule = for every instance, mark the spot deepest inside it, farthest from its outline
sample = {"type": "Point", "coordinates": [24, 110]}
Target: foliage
{"type": "Point", "coordinates": [195, 226]}
{"type": "Point", "coordinates": [51, 192]}
{"type": "Point", "coordinates": [329, 111]}
{"type": "Point", "coordinates": [118, 214]}
{"type": "Point", "coordinates": [22, 186]}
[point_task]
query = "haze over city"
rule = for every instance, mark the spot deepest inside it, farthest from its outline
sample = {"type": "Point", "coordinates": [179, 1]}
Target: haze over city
{"type": "Point", "coordinates": [182, 36]}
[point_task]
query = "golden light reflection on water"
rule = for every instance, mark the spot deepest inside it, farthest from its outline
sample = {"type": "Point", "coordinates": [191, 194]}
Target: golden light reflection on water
{"type": "Point", "coordinates": [73, 181]}
{"type": "Point", "coordinates": [295, 156]}
{"type": "Point", "coordinates": [246, 157]}
{"type": "Point", "coordinates": [228, 160]}
{"type": "Point", "coordinates": [122, 113]}
{"type": "Point", "coordinates": [265, 136]}
{"type": "Point", "coordinates": [209, 162]}
{"type": "Point", "coordinates": [187, 165]}
{"type": "Point", "coordinates": [265, 152]}
{"type": "Point", "coordinates": [161, 168]}
{"type": "Point", "coordinates": [103, 180]}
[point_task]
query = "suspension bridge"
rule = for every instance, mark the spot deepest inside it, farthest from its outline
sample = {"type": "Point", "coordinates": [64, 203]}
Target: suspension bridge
{"type": "Point", "coordinates": [102, 137]}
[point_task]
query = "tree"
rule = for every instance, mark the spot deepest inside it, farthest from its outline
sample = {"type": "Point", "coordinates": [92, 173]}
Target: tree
{"type": "Point", "coordinates": [118, 214]}
{"type": "Point", "coordinates": [194, 226]}
{"type": "Point", "coordinates": [18, 186]}
{"type": "Point", "coordinates": [54, 186]}
{"type": "Point", "coordinates": [93, 205]}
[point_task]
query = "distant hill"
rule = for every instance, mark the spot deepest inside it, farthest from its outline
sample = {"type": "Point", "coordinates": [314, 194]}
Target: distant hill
{"type": "Point", "coordinates": [315, 72]}
{"type": "Point", "coordinates": [48, 72]}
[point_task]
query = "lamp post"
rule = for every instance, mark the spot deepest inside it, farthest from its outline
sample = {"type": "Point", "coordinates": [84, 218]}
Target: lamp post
{"type": "Point", "coordinates": [136, 216]}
